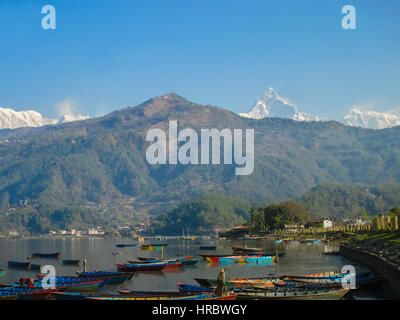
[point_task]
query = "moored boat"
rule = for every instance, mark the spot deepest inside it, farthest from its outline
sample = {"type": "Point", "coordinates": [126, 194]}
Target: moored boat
{"type": "Point", "coordinates": [2, 272]}
{"type": "Point", "coordinates": [247, 250]}
{"type": "Point", "coordinates": [293, 294]}
{"type": "Point", "coordinates": [123, 245]}
{"type": "Point", "coordinates": [150, 266]}
{"type": "Point", "coordinates": [190, 262]}
{"type": "Point", "coordinates": [17, 264]}
{"type": "Point", "coordinates": [146, 247]}
{"type": "Point", "coordinates": [35, 267]}
{"type": "Point", "coordinates": [188, 288]}
{"type": "Point", "coordinates": [46, 255]}
{"type": "Point", "coordinates": [208, 247]}
{"type": "Point", "coordinates": [205, 296]}
{"type": "Point", "coordinates": [159, 244]}
{"type": "Point", "coordinates": [73, 262]}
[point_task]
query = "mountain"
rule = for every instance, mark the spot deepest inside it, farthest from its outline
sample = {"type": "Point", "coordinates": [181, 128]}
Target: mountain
{"type": "Point", "coordinates": [272, 105]}
{"type": "Point", "coordinates": [15, 119]}
{"type": "Point", "coordinates": [348, 200]}
{"type": "Point", "coordinates": [11, 119]}
{"type": "Point", "coordinates": [101, 164]}
{"type": "Point", "coordinates": [70, 118]}
{"type": "Point", "coordinates": [371, 119]}
{"type": "Point", "coordinates": [202, 215]}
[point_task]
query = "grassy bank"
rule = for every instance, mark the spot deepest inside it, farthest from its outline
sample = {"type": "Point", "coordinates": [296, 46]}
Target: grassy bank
{"type": "Point", "coordinates": [385, 244]}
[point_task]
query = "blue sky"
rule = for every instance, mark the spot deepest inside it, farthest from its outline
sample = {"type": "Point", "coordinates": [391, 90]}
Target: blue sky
{"type": "Point", "coordinates": [108, 54]}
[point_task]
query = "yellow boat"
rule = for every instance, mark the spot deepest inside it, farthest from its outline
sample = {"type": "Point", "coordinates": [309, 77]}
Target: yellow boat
{"type": "Point", "coordinates": [146, 247]}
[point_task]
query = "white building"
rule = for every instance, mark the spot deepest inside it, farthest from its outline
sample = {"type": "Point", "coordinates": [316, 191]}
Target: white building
{"type": "Point", "coordinates": [327, 224]}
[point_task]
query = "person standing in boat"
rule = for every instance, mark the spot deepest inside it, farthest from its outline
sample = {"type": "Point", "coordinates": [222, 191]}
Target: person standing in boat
{"type": "Point", "coordinates": [221, 288]}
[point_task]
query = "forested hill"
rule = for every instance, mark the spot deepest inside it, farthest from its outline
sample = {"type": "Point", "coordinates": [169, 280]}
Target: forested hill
{"type": "Point", "coordinates": [101, 161]}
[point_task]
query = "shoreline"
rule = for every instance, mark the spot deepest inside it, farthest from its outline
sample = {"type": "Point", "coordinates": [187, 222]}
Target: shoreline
{"type": "Point", "coordinates": [378, 264]}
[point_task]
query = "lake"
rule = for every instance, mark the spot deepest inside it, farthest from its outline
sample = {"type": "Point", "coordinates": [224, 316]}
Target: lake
{"type": "Point", "coordinates": [102, 254]}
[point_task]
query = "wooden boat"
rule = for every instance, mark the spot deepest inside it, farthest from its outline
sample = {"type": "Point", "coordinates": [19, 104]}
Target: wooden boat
{"type": "Point", "coordinates": [46, 255]}
{"type": "Point", "coordinates": [133, 293]}
{"type": "Point", "coordinates": [366, 279]}
{"type": "Point", "coordinates": [122, 293]}
{"type": "Point", "coordinates": [168, 296]}
{"type": "Point", "coordinates": [122, 245]}
{"type": "Point", "coordinates": [233, 283]}
{"type": "Point", "coordinates": [150, 259]}
{"type": "Point", "coordinates": [26, 294]}
{"type": "Point", "coordinates": [214, 255]}
{"type": "Point", "coordinates": [190, 262]}
{"type": "Point", "coordinates": [208, 247]}
{"type": "Point", "coordinates": [112, 279]}
{"type": "Point", "coordinates": [361, 282]}
{"type": "Point", "coordinates": [149, 266]}
{"type": "Point", "coordinates": [243, 259]}
{"type": "Point", "coordinates": [84, 286]}
{"type": "Point", "coordinates": [293, 294]}
{"type": "Point", "coordinates": [17, 264]}
{"type": "Point", "coordinates": [35, 267]}
{"type": "Point", "coordinates": [67, 285]}
{"type": "Point", "coordinates": [329, 274]}
{"type": "Point", "coordinates": [73, 262]}
{"type": "Point", "coordinates": [8, 296]}
{"type": "Point", "coordinates": [140, 267]}
{"type": "Point", "coordinates": [104, 274]}
{"type": "Point", "coordinates": [247, 250]}
{"type": "Point", "coordinates": [188, 288]}
{"type": "Point", "coordinates": [179, 297]}
{"type": "Point", "coordinates": [159, 244]}
{"type": "Point", "coordinates": [256, 259]}
{"type": "Point", "coordinates": [146, 247]}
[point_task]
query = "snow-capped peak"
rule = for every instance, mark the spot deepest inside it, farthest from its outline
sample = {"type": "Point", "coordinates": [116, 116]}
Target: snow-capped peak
{"type": "Point", "coordinates": [11, 119]}
{"type": "Point", "coordinates": [371, 119]}
{"type": "Point", "coordinates": [70, 118]}
{"type": "Point", "coordinates": [274, 106]}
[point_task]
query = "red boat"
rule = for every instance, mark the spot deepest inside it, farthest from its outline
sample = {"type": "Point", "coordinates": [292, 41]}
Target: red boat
{"type": "Point", "coordinates": [149, 266]}
{"type": "Point", "coordinates": [173, 265]}
{"type": "Point", "coordinates": [140, 267]}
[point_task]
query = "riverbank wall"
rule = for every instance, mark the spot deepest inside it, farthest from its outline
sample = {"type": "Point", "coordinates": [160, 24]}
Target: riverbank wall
{"type": "Point", "coordinates": [380, 265]}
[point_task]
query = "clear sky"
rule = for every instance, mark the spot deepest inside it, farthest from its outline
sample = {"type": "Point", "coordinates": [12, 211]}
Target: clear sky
{"type": "Point", "coordinates": [107, 54]}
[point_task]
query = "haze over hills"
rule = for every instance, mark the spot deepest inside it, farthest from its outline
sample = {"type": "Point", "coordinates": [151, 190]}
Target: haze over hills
{"type": "Point", "coordinates": [100, 163]}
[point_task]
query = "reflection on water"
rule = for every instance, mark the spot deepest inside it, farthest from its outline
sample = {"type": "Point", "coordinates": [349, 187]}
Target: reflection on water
{"type": "Point", "coordinates": [102, 254]}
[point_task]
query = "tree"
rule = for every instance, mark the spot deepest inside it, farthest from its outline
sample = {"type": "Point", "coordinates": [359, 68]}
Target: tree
{"type": "Point", "coordinates": [394, 212]}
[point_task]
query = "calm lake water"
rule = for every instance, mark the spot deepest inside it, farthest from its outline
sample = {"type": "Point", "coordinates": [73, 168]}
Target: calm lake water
{"type": "Point", "coordinates": [299, 259]}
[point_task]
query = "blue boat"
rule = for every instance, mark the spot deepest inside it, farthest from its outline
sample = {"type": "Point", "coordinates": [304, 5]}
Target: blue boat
{"type": "Point", "coordinates": [190, 262]}
{"type": "Point", "coordinates": [17, 264]}
{"type": "Point", "coordinates": [35, 267]}
{"type": "Point", "coordinates": [122, 245]}
{"type": "Point", "coordinates": [115, 279]}
{"type": "Point", "coordinates": [188, 288]}
{"type": "Point", "coordinates": [2, 273]}
{"type": "Point", "coordinates": [258, 259]}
